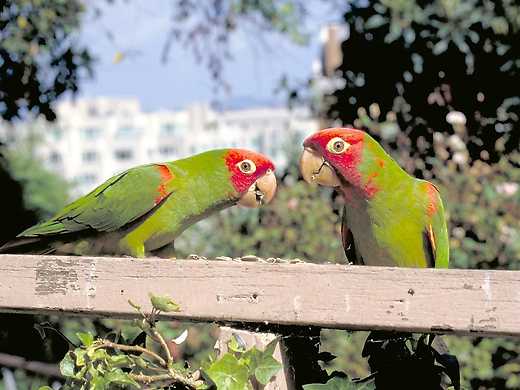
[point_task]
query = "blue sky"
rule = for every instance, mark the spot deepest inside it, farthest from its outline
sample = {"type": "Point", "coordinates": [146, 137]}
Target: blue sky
{"type": "Point", "coordinates": [140, 27]}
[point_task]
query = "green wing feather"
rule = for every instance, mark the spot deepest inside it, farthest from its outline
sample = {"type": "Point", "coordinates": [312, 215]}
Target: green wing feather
{"type": "Point", "coordinates": [438, 235]}
{"type": "Point", "coordinates": [119, 201]}
{"type": "Point", "coordinates": [347, 239]}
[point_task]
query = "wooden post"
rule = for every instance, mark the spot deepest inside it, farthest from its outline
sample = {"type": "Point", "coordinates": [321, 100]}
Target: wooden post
{"type": "Point", "coordinates": [284, 379]}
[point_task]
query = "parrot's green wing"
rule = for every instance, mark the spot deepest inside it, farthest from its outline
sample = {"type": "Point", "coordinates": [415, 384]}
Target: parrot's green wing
{"type": "Point", "coordinates": [347, 239]}
{"type": "Point", "coordinates": [119, 201]}
{"type": "Point", "coordinates": [435, 234]}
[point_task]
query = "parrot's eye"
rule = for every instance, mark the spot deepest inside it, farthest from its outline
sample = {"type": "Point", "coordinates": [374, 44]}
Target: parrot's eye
{"type": "Point", "coordinates": [247, 166]}
{"type": "Point", "coordinates": [337, 145]}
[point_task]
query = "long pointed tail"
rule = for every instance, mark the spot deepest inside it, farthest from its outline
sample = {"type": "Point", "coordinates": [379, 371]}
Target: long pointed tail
{"type": "Point", "coordinates": [29, 245]}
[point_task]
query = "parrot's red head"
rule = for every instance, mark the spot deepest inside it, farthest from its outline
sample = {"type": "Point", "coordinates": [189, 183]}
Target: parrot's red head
{"type": "Point", "coordinates": [252, 176]}
{"type": "Point", "coordinates": [331, 157]}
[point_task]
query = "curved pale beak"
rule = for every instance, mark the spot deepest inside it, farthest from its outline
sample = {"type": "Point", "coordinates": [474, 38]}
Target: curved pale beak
{"type": "Point", "coordinates": [261, 191]}
{"type": "Point", "coordinates": [315, 169]}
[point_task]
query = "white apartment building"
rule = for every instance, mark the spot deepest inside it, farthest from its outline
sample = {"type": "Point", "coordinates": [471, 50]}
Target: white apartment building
{"type": "Point", "coordinates": [93, 139]}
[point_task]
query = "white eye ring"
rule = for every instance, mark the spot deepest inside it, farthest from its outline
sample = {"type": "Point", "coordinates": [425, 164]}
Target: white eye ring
{"type": "Point", "coordinates": [247, 166]}
{"type": "Point", "coordinates": [337, 145]}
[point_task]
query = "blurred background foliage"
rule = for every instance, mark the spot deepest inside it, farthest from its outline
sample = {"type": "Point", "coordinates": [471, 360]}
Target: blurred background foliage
{"type": "Point", "coordinates": [40, 57]}
{"type": "Point", "coordinates": [436, 82]}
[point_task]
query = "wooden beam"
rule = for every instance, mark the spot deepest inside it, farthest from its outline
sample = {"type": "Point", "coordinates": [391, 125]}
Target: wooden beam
{"type": "Point", "coordinates": [471, 302]}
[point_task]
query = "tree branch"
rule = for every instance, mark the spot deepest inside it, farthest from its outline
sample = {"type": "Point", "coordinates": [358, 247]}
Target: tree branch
{"type": "Point", "coordinates": [132, 348]}
{"type": "Point", "coordinates": [47, 369]}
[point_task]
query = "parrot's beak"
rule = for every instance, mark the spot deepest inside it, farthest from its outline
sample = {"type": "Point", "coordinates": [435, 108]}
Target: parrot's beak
{"type": "Point", "coordinates": [315, 169]}
{"type": "Point", "coordinates": [261, 191]}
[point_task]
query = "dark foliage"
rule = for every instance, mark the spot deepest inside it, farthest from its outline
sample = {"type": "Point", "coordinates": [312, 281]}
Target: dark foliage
{"type": "Point", "coordinates": [16, 217]}
{"type": "Point", "coordinates": [437, 63]}
{"type": "Point", "coordinates": [39, 58]}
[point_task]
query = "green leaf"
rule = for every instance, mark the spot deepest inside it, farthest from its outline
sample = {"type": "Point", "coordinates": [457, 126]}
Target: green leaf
{"type": "Point", "coordinates": [97, 354]}
{"type": "Point", "coordinates": [269, 348]}
{"type": "Point", "coordinates": [120, 360]}
{"type": "Point", "coordinates": [98, 383]}
{"type": "Point", "coordinates": [45, 388]}
{"type": "Point", "coordinates": [80, 356]}
{"type": "Point", "coordinates": [228, 373]}
{"type": "Point", "coordinates": [86, 338]}
{"type": "Point", "coordinates": [375, 21]}
{"type": "Point", "coordinates": [67, 365]}
{"type": "Point", "coordinates": [340, 383]}
{"type": "Point", "coordinates": [118, 377]}
{"type": "Point", "coordinates": [163, 303]}
{"type": "Point", "coordinates": [234, 345]}
{"type": "Point", "coordinates": [266, 369]}
{"type": "Point", "coordinates": [251, 358]}
{"type": "Point", "coordinates": [140, 362]}
{"type": "Point", "coordinates": [440, 47]}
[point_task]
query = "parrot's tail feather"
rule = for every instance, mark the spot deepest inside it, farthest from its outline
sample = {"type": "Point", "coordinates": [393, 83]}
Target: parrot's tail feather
{"type": "Point", "coordinates": [30, 245]}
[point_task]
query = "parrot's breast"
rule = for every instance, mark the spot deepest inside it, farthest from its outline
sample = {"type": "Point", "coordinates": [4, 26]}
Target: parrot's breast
{"type": "Point", "coordinates": [386, 229]}
{"type": "Point", "coordinates": [361, 224]}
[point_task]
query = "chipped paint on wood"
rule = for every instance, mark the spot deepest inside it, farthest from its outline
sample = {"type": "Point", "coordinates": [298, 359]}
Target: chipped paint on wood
{"type": "Point", "coordinates": [486, 286]}
{"type": "Point", "coordinates": [56, 276]}
{"type": "Point", "coordinates": [333, 296]}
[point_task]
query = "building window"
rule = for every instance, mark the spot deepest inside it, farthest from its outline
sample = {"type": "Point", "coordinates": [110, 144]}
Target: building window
{"type": "Point", "coordinates": [89, 156]}
{"type": "Point", "coordinates": [124, 154]}
{"type": "Point", "coordinates": [127, 132]}
{"type": "Point", "coordinates": [54, 158]}
{"type": "Point", "coordinates": [212, 126]}
{"type": "Point", "coordinates": [167, 150]}
{"type": "Point", "coordinates": [87, 179]}
{"type": "Point", "coordinates": [168, 129]}
{"type": "Point", "coordinates": [92, 111]}
{"type": "Point", "coordinates": [90, 133]}
{"type": "Point", "coordinates": [56, 133]}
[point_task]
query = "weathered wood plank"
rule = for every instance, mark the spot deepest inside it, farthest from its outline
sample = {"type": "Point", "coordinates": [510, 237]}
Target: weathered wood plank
{"type": "Point", "coordinates": [334, 296]}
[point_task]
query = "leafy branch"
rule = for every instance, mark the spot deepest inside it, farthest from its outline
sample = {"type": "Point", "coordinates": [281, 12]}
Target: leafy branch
{"type": "Point", "coordinates": [147, 362]}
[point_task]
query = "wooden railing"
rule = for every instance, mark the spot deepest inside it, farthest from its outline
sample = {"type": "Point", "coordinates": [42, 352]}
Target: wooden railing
{"type": "Point", "coordinates": [466, 302]}
{"type": "Point", "coordinates": [257, 295]}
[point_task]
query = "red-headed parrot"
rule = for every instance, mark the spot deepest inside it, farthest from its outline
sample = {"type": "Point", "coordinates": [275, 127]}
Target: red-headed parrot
{"type": "Point", "coordinates": [142, 210]}
{"type": "Point", "coordinates": [390, 218]}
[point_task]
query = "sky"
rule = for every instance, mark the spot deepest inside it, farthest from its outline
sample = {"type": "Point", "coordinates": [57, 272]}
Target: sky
{"type": "Point", "coordinates": [139, 27]}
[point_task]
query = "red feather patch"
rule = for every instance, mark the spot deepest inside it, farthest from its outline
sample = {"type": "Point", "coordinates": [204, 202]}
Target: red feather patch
{"type": "Point", "coordinates": [242, 182]}
{"type": "Point", "coordinates": [432, 192]}
{"type": "Point", "coordinates": [166, 176]}
{"type": "Point", "coordinates": [347, 163]}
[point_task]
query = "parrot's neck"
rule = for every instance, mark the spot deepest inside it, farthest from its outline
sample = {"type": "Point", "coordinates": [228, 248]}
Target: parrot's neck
{"type": "Point", "coordinates": [376, 174]}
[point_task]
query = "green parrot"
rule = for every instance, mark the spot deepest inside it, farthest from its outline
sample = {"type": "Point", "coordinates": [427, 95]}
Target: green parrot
{"type": "Point", "coordinates": [142, 210]}
{"type": "Point", "coordinates": [389, 218]}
